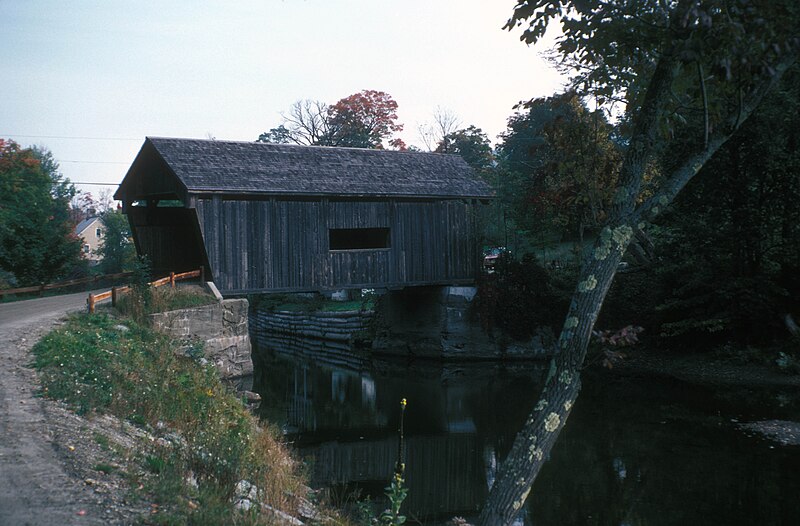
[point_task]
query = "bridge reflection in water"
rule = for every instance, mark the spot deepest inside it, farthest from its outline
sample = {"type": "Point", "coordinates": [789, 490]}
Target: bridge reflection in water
{"type": "Point", "coordinates": [341, 409]}
{"type": "Point", "coordinates": [636, 452]}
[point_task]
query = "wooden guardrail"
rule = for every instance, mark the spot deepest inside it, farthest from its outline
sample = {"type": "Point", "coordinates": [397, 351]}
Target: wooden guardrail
{"type": "Point", "coordinates": [115, 292]}
{"type": "Point", "coordinates": [61, 284]}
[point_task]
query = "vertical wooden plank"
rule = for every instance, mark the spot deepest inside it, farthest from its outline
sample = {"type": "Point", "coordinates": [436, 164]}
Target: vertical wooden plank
{"type": "Point", "coordinates": [277, 254]}
{"type": "Point", "coordinates": [205, 208]}
{"type": "Point", "coordinates": [393, 257]}
{"type": "Point", "coordinates": [323, 271]}
{"type": "Point", "coordinates": [300, 244]}
{"type": "Point", "coordinates": [259, 261]}
{"type": "Point", "coordinates": [219, 244]}
{"type": "Point", "coordinates": [286, 256]}
{"type": "Point", "coordinates": [259, 258]}
{"type": "Point", "coordinates": [295, 240]}
{"type": "Point", "coordinates": [251, 238]}
{"type": "Point", "coordinates": [243, 253]}
{"type": "Point", "coordinates": [277, 244]}
{"type": "Point", "coordinates": [295, 228]}
{"type": "Point", "coordinates": [205, 211]}
{"type": "Point", "coordinates": [231, 237]}
{"type": "Point", "coordinates": [269, 240]}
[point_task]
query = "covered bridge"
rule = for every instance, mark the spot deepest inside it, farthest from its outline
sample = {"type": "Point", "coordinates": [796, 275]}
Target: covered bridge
{"type": "Point", "coordinates": [272, 217]}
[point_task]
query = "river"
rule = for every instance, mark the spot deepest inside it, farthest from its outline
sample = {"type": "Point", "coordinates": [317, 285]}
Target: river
{"type": "Point", "coordinates": [636, 451]}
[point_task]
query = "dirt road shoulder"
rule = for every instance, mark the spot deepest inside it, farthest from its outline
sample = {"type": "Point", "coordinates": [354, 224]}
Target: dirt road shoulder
{"type": "Point", "coordinates": [55, 467]}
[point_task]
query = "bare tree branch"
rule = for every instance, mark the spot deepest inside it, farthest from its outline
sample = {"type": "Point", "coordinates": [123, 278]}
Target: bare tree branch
{"type": "Point", "coordinates": [434, 134]}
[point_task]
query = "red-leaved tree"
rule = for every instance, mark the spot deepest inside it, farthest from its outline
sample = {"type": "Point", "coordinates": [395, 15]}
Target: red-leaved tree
{"type": "Point", "coordinates": [363, 120]}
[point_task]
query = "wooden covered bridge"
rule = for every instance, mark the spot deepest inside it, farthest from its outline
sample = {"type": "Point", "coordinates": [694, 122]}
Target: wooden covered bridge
{"type": "Point", "coordinates": [269, 217]}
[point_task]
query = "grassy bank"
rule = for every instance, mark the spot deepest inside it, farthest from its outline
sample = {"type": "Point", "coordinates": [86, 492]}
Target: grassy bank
{"type": "Point", "coordinates": [143, 301]}
{"type": "Point", "coordinates": [204, 440]}
{"type": "Point", "coordinates": [308, 304]}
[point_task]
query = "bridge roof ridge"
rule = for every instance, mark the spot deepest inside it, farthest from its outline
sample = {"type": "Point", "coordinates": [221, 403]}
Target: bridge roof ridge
{"type": "Point", "coordinates": [262, 168]}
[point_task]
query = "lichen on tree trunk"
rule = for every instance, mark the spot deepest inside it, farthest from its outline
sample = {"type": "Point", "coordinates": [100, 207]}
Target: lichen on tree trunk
{"type": "Point", "coordinates": [535, 441]}
{"type": "Point", "coordinates": [540, 431]}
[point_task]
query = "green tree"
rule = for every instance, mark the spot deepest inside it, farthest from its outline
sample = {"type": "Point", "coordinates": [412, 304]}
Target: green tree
{"type": "Point", "coordinates": [729, 247]}
{"type": "Point", "coordinates": [559, 166]}
{"type": "Point", "coordinates": [472, 144]}
{"type": "Point", "coordinates": [117, 249]}
{"type": "Point", "coordinates": [36, 240]}
{"type": "Point", "coordinates": [679, 66]}
{"type": "Point", "coordinates": [279, 135]}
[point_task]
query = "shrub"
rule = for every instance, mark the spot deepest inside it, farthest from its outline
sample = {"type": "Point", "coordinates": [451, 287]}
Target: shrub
{"type": "Point", "coordinates": [521, 297]}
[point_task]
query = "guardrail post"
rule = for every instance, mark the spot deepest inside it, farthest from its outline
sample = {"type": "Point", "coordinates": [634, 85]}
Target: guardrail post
{"type": "Point", "coordinates": [172, 279]}
{"type": "Point", "coordinates": [41, 290]}
{"type": "Point", "coordinates": [90, 302]}
{"type": "Point", "coordinates": [202, 274]}
{"type": "Point", "coordinates": [113, 296]}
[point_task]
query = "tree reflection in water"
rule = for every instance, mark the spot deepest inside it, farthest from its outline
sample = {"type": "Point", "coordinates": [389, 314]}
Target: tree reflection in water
{"type": "Point", "coordinates": [637, 452]}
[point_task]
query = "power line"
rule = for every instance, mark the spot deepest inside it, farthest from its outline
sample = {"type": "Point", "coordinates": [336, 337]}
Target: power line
{"type": "Point", "coordinates": [90, 162]}
{"type": "Point", "coordinates": [67, 180]}
{"type": "Point", "coordinates": [78, 137]}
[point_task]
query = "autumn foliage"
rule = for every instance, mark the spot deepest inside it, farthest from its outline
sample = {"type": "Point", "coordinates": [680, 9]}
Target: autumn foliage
{"type": "Point", "coordinates": [366, 119]}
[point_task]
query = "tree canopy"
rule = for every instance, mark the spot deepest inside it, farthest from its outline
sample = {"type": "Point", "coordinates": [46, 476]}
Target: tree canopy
{"type": "Point", "coordinates": [683, 69]}
{"type": "Point", "coordinates": [729, 247]}
{"type": "Point", "coordinates": [36, 240]}
{"type": "Point", "coordinates": [472, 144]}
{"type": "Point", "coordinates": [366, 119]}
{"type": "Point", "coordinates": [117, 249]}
{"type": "Point", "coordinates": [558, 165]}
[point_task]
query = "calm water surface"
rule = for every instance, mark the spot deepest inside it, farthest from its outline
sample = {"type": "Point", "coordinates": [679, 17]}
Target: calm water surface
{"type": "Point", "coordinates": [635, 451]}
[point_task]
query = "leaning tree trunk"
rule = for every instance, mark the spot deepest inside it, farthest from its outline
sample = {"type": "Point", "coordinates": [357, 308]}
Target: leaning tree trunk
{"type": "Point", "coordinates": [535, 440]}
{"type": "Point", "coordinates": [537, 437]}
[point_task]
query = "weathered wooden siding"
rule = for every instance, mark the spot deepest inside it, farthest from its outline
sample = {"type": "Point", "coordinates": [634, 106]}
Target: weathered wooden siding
{"type": "Point", "coordinates": [155, 179]}
{"type": "Point", "coordinates": [281, 244]}
{"type": "Point", "coordinates": [169, 237]}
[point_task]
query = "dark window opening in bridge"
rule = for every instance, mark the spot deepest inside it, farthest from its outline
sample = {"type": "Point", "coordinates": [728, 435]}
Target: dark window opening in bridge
{"type": "Point", "coordinates": [358, 238]}
{"type": "Point", "coordinates": [170, 203]}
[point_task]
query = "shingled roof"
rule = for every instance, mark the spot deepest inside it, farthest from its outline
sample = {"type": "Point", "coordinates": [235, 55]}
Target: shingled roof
{"type": "Point", "coordinates": [262, 168]}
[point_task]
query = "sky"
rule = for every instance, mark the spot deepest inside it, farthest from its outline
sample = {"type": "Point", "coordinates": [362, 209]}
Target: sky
{"type": "Point", "coordinates": [91, 79]}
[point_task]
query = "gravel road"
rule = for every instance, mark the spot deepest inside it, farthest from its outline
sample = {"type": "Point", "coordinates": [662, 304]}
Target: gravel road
{"type": "Point", "coordinates": [37, 485]}
{"type": "Point", "coordinates": [23, 313]}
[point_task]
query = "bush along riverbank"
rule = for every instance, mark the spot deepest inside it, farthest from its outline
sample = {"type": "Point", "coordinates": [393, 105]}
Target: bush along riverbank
{"type": "Point", "coordinates": [202, 457]}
